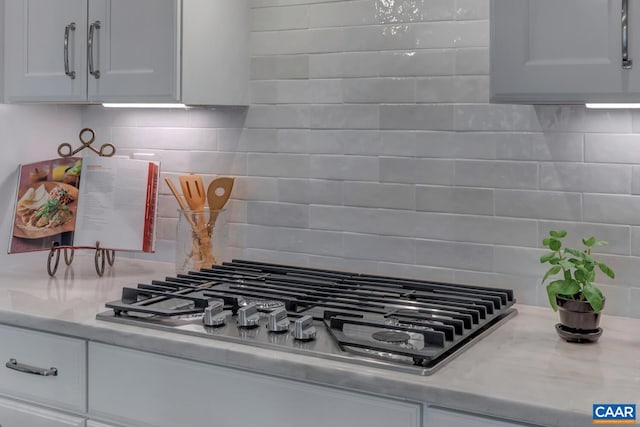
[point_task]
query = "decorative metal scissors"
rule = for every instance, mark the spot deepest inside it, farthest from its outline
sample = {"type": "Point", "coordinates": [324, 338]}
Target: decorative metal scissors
{"type": "Point", "coordinates": [106, 150]}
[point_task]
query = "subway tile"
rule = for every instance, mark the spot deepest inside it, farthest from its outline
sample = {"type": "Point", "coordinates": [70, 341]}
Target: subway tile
{"type": "Point", "coordinates": [526, 289]}
{"type": "Point", "coordinates": [540, 146]}
{"type": "Point", "coordinates": [419, 272]}
{"type": "Point", "coordinates": [325, 40]}
{"type": "Point", "coordinates": [278, 165]}
{"type": "Point", "coordinates": [457, 145]}
{"type": "Point", "coordinates": [263, 91]}
{"type": "Point", "coordinates": [477, 201]}
{"type": "Point", "coordinates": [256, 189]}
{"type": "Point", "coordinates": [594, 178]}
{"type": "Point", "coordinates": [344, 64]}
{"type": "Point", "coordinates": [379, 38]}
{"type": "Point", "coordinates": [330, 141]}
{"type": "Point", "coordinates": [266, 3]}
{"type": "Point", "coordinates": [197, 139]}
{"type": "Point", "coordinates": [577, 118]}
{"type": "Point", "coordinates": [278, 116]}
{"type": "Point", "coordinates": [278, 214]}
{"type": "Point", "coordinates": [436, 89]}
{"type": "Point", "coordinates": [295, 240]}
{"type": "Point", "coordinates": [472, 9]}
{"type": "Point", "coordinates": [379, 248]}
{"type": "Point", "coordinates": [634, 309]}
{"type": "Point", "coordinates": [355, 168]}
{"type": "Point", "coordinates": [418, 63]}
{"type": "Point", "coordinates": [476, 229]}
{"type": "Point", "coordinates": [496, 174]}
{"type": "Point", "coordinates": [387, 90]}
{"type": "Point", "coordinates": [611, 148]}
{"type": "Point", "coordinates": [325, 91]}
{"type": "Point", "coordinates": [617, 236]}
{"type": "Point", "coordinates": [626, 269]}
{"type": "Point", "coordinates": [288, 42]}
{"type": "Point", "coordinates": [613, 209]}
{"type": "Point", "coordinates": [308, 191]}
{"type": "Point", "coordinates": [292, 92]}
{"type": "Point", "coordinates": [203, 162]}
{"type": "Point", "coordinates": [635, 179]}
{"type": "Point", "coordinates": [416, 11]}
{"type": "Point", "coordinates": [274, 256]}
{"type": "Point", "coordinates": [496, 117]}
{"type": "Point", "coordinates": [417, 171]}
{"type": "Point", "coordinates": [539, 204]}
{"type": "Point", "coordinates": [465, 256]}
{"type": "Point", "coordinates": [471, 89]}
{"type": "Point", "coordinates": [377, 195]}
{"type": "Point", "coordinates": [397, 143]}
{"type": "Point", "coordinates": [418, 117]}
{"type": "Point", "coordinates": [260, 140]}
{"type": "Point", "coordinates": [635, 241]}
{"type": "Point", "coordinates": [280, 18]}
{"type": "Point", "coordinates": [519, 261]}
{"type": "Point", "coordinates": [391, 222]}
{"type": "Point", "coordinates": [280, 67]}
{"type": "Point", "coordinates": [472, 61]}
{"type": "Point", "coordinates": [339, 14]}
{"type": "Point", "coordinates": [292, 140]}
{"type": "Point", "coordinates": [333, 116]}
{"type": "Point", "coordinates": [343, 264]}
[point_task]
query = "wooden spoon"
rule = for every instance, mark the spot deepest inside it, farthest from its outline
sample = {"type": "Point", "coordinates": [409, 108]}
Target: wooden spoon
{"type": "Point", "coordinates": [218, 194]}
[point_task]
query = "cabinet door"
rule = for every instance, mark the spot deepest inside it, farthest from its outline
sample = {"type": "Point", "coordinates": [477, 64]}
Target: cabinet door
{"type": "Point", "coordinates": [15, 414]}
{"type": "Point", "coordinates": [436, 417]}
{"type": "Point", "coordinates": [134, 50]}
{"type": "Point", "coordinates": [35, 50]}
{"type": "Point", "coordinates": [561, 51]}
{"type": "Point", "coordinates": [137, 388]}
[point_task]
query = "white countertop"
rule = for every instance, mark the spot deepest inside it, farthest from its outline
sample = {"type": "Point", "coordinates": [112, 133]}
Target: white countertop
{"type": "Point", "coordinates": [522, 371]}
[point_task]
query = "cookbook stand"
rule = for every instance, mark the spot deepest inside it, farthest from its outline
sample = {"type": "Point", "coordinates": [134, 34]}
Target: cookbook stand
{"type": "Point", "coordinates": [101, 255]}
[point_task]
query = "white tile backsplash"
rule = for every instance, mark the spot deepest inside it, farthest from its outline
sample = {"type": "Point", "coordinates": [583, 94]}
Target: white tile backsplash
{"type": "Point", "coordinates": [370, 145]}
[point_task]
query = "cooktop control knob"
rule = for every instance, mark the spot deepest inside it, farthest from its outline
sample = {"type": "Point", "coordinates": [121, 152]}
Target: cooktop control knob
{"type": "Point", "coordinates": [303, 328]}
{"type": "Point", "coordinates": [248, 316]}
{"type": "Point", "coordinates": [213, 314]}
{"type": "Point", "coordinates": [278, 320]}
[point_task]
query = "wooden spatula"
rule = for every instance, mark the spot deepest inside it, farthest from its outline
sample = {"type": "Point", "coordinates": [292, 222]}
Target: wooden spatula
{"type": "Point", "coordinates": [218, 194]}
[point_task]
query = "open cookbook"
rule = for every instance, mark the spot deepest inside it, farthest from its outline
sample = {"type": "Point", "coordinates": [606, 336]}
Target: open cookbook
{"type": "Point", "coordinates": [80, 202]}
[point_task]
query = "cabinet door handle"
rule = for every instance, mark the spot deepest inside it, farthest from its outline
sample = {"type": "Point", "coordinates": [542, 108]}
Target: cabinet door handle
{"type": "Point", "coordinates": [626, 62]}
{"type": "Point", "coordinates": [67, 29]}
{"type": "Point", "coordinates": [13, 364]}
{"type": "Point", "coordinates": [95, 26]}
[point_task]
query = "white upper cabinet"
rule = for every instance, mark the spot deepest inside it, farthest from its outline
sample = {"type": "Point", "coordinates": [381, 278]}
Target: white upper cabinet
{"type": "Point", "coordinates": [190, 51]}
{"type": "Point", "coordinates": [564, 51]}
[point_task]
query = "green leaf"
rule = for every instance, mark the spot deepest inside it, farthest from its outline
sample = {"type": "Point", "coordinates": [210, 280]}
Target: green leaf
{"type": "Point", "coordinates": [606, 270]}
{"type": "Point", "coordinates": [553, 270]}
{"type": "Point", "coordinates": [546, 241]}
{"type": "Point", "coordinates": [594, 296]}
{"type": "Point", "coordinates": [600, 243]}
{"type": "Point", "coordinates": [575, 252]}
{"type": "Point", "coordinates": [591, 277]}
{"type": "Point", "coordinates": [555, 244]}
{"type": "Point", "coordinates": [580, 275]}
{"type": "Point", "coordinates": [565, 264]}
{"type": "Point", "coordinates": [589, 242]}
{"type": "Point", "coordinates": [561, 287]}
{"type": "Point", "coordinates": [558, 234]}
{"type": "Point", "coordinates": [547, 257]}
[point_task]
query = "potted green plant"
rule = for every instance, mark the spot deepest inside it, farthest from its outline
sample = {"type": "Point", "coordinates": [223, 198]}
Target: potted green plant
{"type": "Point", "coordinates": [574, 293]}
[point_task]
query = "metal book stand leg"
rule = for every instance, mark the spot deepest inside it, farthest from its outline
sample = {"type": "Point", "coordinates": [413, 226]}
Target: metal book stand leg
{"type": "Point", "coordinates": [101, 256]}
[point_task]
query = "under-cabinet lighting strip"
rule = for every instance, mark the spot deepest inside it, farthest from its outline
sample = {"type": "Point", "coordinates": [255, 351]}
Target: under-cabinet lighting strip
{"type": "Point", "coordinates": [612, 106]}
{"type": "Point", "coordinates": [138, 105]}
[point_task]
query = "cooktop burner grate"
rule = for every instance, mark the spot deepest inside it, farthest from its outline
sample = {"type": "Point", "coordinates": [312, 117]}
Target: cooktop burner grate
{"type": "Point", "coordinates": [406, 324]}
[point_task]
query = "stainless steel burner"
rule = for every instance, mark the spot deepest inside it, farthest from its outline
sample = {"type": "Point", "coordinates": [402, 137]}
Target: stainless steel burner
{"type": "Point", "coordinates": [394, 337]}
{"type": "Point", "coordinates": [262, 305]}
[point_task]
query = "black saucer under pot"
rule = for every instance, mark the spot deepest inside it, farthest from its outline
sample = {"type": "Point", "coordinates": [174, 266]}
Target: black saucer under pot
{"type": "Point", "coordinates": [577, 319]}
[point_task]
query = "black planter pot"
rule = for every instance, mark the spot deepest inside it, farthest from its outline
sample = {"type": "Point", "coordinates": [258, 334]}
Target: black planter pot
{"type": "Point", "coordinates": [578, 321]}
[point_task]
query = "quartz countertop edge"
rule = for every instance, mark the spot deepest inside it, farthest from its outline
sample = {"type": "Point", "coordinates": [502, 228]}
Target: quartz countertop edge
{"type": "Point", "coordinates": [521, 371]}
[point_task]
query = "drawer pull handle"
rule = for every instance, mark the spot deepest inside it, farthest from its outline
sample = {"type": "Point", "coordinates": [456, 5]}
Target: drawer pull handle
{"type": "Point", "coordinates": [13, 364]}
{"type": "Point", "coordinates": [67, 71]}
{"type": "Point", "coordinates": [95, 26]}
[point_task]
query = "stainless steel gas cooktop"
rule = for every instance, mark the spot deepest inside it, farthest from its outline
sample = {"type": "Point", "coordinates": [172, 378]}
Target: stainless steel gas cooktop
{"type": "Point", "coordinates": [393, 323]}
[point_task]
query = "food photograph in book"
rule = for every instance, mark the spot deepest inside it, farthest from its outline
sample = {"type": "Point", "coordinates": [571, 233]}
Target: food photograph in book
{"type": "Point", "coordinates": [46, 204]}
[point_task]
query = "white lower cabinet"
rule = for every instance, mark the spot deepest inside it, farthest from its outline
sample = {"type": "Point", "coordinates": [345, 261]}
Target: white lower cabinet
{"type": "Point", "coordinates": [137, 388]}
{"type": "Point", "coordinates": [437, 417]}
{"type": "Point", "coordinates": [16, 414]}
